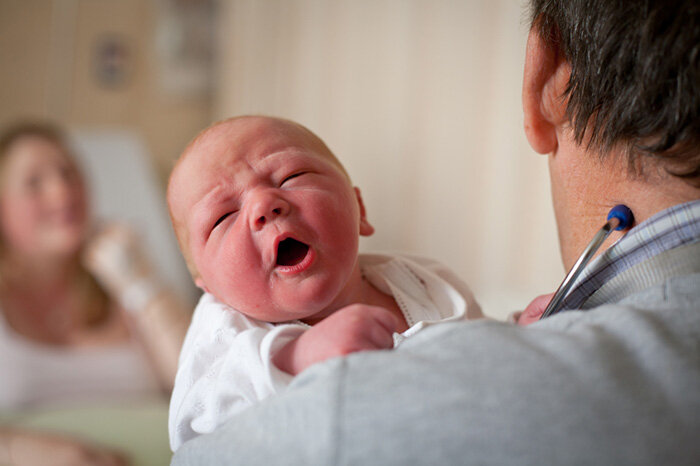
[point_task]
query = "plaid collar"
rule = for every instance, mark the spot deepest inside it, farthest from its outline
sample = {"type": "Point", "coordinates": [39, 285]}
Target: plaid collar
{"type": "Point", "coordinates": [668, 229]}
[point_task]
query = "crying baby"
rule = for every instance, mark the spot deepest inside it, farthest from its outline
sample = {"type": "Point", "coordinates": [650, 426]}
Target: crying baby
{"type": "Point", "coordinates": [269, 224]}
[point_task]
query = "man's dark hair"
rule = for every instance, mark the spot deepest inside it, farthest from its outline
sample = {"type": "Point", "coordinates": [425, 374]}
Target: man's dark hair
{"type": "Point", "coordinates": [635, 76]}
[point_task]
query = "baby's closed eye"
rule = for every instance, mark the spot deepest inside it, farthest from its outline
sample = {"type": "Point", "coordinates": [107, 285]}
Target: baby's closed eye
{"type": "Point", "coordinates": [222, 218]}
{"type": "Point", "coordinates": [292, 176]}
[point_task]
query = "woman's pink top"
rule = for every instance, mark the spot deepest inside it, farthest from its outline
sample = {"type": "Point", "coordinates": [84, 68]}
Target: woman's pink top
{"type": "Point", "coordinates": [38, 375]}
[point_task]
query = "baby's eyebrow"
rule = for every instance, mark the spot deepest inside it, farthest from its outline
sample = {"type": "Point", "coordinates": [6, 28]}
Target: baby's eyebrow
{"type": "Point", "coordinates": [201, 211]}
{"type": "Point", "coordinates": [288, 153]}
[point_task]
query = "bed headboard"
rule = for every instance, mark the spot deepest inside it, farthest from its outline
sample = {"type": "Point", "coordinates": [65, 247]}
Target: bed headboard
{"type": "Point", "coordinates": [124, 187]}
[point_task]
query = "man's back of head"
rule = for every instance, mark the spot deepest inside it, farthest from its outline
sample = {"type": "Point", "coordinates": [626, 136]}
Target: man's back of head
{"type": "Point", "coordinates": [635, 78]}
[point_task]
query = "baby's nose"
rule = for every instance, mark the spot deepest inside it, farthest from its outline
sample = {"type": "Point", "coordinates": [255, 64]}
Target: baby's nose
{"type": "Point", "coordinates": [267, 206]}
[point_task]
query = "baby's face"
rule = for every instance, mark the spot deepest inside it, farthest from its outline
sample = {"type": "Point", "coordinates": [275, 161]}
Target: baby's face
{"type": "Point", "coordinates": [271, 222]}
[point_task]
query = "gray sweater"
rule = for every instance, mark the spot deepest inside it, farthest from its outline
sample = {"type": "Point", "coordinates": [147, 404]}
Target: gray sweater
{"type": "Point", "coordinates": [618, 384]}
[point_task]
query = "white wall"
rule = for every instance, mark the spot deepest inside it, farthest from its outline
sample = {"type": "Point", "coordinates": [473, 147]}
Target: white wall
{"type": "Point", "coordinates": [421, 101]}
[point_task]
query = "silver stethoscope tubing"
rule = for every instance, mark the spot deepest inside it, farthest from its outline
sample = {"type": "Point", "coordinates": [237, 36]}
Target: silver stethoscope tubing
{"type": "Point", "coordinates": [620, 217]}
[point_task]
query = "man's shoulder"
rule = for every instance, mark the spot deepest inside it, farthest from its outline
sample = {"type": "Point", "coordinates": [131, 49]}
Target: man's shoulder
{"type": "Point", "coordinates": [618, 384]}
{"type": "Point", "coordinates": [613, 376]}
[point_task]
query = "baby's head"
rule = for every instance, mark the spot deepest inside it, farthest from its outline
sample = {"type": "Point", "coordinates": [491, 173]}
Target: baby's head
{"type": "Point", "coordinates": [267, 218]}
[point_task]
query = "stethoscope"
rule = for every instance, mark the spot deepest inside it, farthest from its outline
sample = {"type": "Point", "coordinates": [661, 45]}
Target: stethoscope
{"type": "Point", "coordinates": [620, 217]}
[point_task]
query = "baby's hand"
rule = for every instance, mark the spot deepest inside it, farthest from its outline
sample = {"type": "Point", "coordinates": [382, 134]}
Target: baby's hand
{"type": "Point", "coordinates": [533, 311]}
{"type": "Point", "coordinates": [358, 327]}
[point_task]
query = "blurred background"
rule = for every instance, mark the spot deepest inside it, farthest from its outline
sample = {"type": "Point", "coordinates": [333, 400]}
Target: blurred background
{"type": "Point", "coordinates": [419, 98]}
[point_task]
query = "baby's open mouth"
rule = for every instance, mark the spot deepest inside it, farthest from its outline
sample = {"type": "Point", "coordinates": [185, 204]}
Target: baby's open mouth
{"type": "Point", "coordinates": [291, 252]}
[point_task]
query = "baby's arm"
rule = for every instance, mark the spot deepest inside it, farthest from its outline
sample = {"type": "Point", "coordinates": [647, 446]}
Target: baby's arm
{"type": "Point", "coordinates": [354, 328]}
{"type": "Point", "coordinates": [225, 367]}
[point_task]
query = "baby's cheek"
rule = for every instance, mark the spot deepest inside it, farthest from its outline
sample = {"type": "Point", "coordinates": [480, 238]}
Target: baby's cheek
{"type": "Point", "coordinates": [340, 219]}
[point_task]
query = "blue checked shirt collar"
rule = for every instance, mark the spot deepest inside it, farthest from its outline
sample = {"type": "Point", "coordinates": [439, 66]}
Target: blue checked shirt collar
{"type": "Point", "coordinates": [668, 229]}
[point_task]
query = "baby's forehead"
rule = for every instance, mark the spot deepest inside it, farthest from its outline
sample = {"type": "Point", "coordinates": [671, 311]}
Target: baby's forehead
{"type": "Point", "coordinates": [258, 134]}
{"type": "Point", "coordinates": [218, 148]}
{"type": "Point", "coordinates": [252, 138]}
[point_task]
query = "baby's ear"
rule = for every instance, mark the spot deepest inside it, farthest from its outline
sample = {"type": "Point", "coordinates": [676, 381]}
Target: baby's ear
{"type": "Point", "coordinates": [200, 284]}
{"type": "Point", "coordinates": [366, 228]}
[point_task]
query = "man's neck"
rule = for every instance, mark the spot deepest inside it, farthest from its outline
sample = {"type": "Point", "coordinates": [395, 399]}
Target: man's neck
{"type": "Point", "coordinates": [585, 187]}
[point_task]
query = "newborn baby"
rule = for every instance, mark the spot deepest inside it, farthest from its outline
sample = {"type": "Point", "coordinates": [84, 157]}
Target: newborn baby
{"type": "Point", "coordinates": [269, 224]}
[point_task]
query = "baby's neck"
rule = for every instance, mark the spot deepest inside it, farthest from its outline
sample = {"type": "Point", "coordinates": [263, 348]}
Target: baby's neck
{"type": "Point", "coordinates": [365, 293]}
{"type": "Point", "coordinates": [377, 298]}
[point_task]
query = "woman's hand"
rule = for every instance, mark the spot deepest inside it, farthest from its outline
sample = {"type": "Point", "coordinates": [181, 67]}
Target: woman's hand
{"type": "Point", "coordinates": [30, 449]}
{"type": "Point", "coordinates": [114, 256]}
{"type": "Point", "coordinates": [117, 261]}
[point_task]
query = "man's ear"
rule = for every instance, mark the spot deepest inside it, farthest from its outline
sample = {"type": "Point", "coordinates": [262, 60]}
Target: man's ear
{"type": "Point", "coordinates": [544, 82]}
{"type": "Point", "coordinates": [366, 229]}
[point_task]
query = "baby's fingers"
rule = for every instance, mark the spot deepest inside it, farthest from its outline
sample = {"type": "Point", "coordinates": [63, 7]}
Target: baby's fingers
{"type": "Point", "coordinates": [535, 309]}
{"type": "Point", "coordinates": [384, 318]}
{"type": "Point", "coordinates": [381, 336]}
{"type": "Point", "coordinates": [373, 326]}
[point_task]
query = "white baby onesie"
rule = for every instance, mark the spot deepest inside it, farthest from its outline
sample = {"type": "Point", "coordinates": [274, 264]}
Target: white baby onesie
{"type": "Point", "coordinates": [226, 360]}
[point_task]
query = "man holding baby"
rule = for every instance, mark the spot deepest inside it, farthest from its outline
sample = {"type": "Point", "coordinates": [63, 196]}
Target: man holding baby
{"type": "Point", "coordinates": [611, 94]}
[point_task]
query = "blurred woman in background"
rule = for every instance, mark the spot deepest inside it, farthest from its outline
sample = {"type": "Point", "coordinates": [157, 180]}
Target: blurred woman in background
{"type": "Point", "coordinates": [82, 315]}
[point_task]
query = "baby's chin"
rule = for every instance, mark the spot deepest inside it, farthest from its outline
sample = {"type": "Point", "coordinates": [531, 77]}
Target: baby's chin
{"type": "Point", "coordinates": [307, 314]}
{"type": "Point", "coordinates": [308, 300]}
{"type": "Point", "coordinates": [310, 311]}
